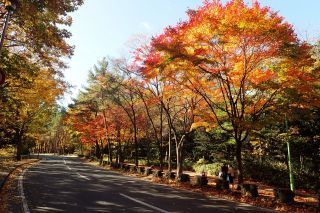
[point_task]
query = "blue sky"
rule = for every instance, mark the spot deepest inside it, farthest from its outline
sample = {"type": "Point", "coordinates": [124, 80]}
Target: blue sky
{"type": "Point", "coordinates": [104, 27]}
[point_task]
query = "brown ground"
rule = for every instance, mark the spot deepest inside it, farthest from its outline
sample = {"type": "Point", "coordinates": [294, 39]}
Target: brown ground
{"type": "Point", "coordinates": [9, 194]}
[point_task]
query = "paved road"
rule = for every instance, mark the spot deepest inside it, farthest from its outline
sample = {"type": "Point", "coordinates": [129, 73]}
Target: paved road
{"type": "Point", "coordinates": [65, 184]}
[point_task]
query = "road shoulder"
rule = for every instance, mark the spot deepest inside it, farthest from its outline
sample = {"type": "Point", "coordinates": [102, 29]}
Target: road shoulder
{"type": "Point", "coordinates": [10, 194]}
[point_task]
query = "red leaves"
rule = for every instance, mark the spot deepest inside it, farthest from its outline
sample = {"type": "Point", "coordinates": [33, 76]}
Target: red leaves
{"type": "Point", "coordinates": [153, 59]}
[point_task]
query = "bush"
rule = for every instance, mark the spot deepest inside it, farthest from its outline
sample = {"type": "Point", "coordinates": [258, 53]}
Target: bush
{"type": "Point", "coordinates": [148, 171]}
{"type": "Point", "coordinates": [170, 175]}
{"type": "Point", "coordinates": [276, 174]}
{"type": "Point", "coordinates": [104, 163]}
{"type": "Point", "coordinates": [201, 180]}
{"type": "Point", "coordinates": [125, 167]}
{"type": "Point", "coordinates": [188, 164]}
{"type": "Point", "coordinates": [202, 161]}
{"type": "Point", "coordinates": [115, 165]}
{"type": "Point", "coordinates": [210, 169]}
{"type": "Point", "coordinates": [157, 173]}
{"type": "Point", "coordinates": [267, 173]}
{"type": "Point", "coordinates": [184, 178]}
{"type": "Point", "coordinates": [284, 195]}
{"type": "Point", "coordinates": [132, 168]}
{"type": "Point", "coordinates": [151, 162]}
{"type": "Point", "coordinates": [221, 184]}
{"type": "Point", "coordinates": [141, 170]}
{"type": "Point", "coordinates": [250, 190]}
{"type": "Point", "coordinates": [94, 158]}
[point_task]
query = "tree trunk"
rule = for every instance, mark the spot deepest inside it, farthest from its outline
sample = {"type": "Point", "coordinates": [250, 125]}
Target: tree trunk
{"type": "Point", "coordinates": [109, 151]}
{"type": "Point", "coordinates": [136, 159]}
{"type": "Point", "coordinates": [161, 156]}
{"type": "Point", "coordinates": [179, 145]}
{"type": "Point", "coordinates": [119, 147]}
{"type": "Point", "coordinates": [239, 160]}
{"type": "Point", "coordinates": [301, 163]}
{"type": "Point", "coordinates": [169, 151]}
{"type": "Point", "coordinates": [117, 154]}
{"type": "Point", "coordinates": [19, 146]}
{"type": "Point", "coordinates": [102, 152]}
{"type": "Point", "coordinates": [107, 136]}
{"type": "Point", "coordinates": [97, 154]}
{"type": "Point", "coordinates": [148, 152]}
{"type": "Point", "coordinates": [179, 166]}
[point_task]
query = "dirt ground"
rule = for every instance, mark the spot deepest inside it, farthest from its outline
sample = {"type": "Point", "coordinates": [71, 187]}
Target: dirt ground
{"type": "Point", "coordinates": [9, 195]}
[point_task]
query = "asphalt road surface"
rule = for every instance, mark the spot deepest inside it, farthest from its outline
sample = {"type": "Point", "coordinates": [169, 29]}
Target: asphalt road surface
{"type": "Point", "coordinates": [65, 184]}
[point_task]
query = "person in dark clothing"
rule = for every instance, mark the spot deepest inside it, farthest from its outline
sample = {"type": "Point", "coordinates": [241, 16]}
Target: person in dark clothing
{"type": "Point", "coordinates": [230, 175]}
{"type": "Point", "coordinates": [223, 172]}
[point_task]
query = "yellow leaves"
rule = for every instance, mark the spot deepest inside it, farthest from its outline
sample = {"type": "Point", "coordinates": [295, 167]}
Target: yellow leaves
{"type": "Point", "coordinates": [199, 124]}
{"type": "Point", "coordinates": [45, 89]}
{"type": "Point", "coordinates": [202, 30]}
{"type": "Point", "coordinates": [242, 25]}
{"type": "Point", "coordinates": [204, 124]}
{"type": "Point", "coordinates": [189, 50]}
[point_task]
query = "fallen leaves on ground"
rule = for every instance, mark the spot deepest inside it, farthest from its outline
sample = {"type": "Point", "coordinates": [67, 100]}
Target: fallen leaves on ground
{"type": "Point", "coordinates": [9, 192]}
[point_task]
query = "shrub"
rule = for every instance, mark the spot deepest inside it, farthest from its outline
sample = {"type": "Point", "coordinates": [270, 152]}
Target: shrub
{"type": "Point", "coordinates": [151, 162]}
{"type": "Point", "coordinates": [170, 175]}
{"type": "Point", "coordinates": [184, 178]}
{"type": "Point", "coordinates": [188, 164]}
{"type": "Point", "coordinates": [201, 180]}
{"type": "Point", "coordinates": [276, 174]}
{"type": "Point", "coordinates": [114, 165]}
{"type": "Point", "coordinates": [94, 158]}
{"type": "Point", "coordinates": [157, 173]}
{"type": "Point", "coordinates": [222, 184]}
{"type": "Point", "coordinates": [132, 168]}
{"type": "Point", "coordinates": [202, 161]}
{"type": "Point", "coordinates": [284, 195]}
{"type": "Point", "coordinates": [148, 171]}
{"type": "Point", "coordinates": [210, 169]}
{"type": "Point", "coordinates": [125, 167]}
{"type": "Point", "coordinates": [141, 170]}
{"type": "Point", "coordinates": [250, 190]}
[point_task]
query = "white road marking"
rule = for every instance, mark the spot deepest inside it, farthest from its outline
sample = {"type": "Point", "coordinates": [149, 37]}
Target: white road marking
{"type": "Point", "coordinates": [84, 177]}
{"type": "Point", "coordinates": [145, 204]}
{"type": "Point", "coordinates": [23, 198]}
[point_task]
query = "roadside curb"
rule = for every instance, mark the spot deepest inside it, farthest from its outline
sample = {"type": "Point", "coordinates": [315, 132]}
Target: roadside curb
{"type": "Point", "coordinates": [4, 180]}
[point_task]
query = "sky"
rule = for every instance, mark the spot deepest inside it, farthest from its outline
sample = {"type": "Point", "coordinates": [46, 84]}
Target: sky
{"type": "Point", "coordinates": [103, 28]}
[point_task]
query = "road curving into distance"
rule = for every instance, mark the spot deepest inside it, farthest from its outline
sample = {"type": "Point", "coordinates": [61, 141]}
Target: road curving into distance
{"type": "Point", "coordinates": [65, 184]}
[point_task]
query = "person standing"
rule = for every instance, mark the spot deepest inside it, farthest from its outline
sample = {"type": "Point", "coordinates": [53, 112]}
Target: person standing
{"type": "Point", "coordinates": [230, 175]}
{"type": "Point", "coordinates": [223, 172]}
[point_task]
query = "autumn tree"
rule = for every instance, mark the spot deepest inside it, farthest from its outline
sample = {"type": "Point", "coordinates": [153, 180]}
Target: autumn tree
{"type": "Point", "coordinates": [31, 104]}
{"type": "Point", "coordinates": [31, 58]}
{"type": "Point", "coordinates": [36, 28]}
{"type": "Point", "coordinates": [239, 58]}
{"type": "Point", "coordinates": [177, 103]}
